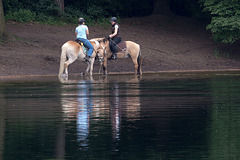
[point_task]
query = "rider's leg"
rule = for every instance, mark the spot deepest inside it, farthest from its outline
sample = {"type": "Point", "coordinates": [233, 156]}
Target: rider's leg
{"type": "Point", "coordinates": [115, 41]}
{"type": "Point", "coordinates": [89, 46]}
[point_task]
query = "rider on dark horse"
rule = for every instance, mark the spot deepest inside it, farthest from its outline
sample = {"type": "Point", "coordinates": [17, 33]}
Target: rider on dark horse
{"type": "Point", "coordinates": [115, 37]}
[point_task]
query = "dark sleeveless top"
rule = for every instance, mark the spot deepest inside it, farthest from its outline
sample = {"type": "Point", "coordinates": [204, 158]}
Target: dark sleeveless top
{"type": "Point", "coordinates": [113, 30]}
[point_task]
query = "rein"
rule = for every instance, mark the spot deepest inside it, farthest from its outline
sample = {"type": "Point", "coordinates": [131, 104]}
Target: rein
{"type": "Point", "coordinates": [124, 49]}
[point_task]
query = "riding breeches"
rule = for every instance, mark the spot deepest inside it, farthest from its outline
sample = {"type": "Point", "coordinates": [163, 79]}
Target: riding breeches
{"type": "Point", "coordinates": [87, 44]}
{"type": "Point", "coordinates": [113, 44]}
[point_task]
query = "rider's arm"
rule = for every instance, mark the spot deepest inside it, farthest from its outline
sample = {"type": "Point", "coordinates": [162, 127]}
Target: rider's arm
{"type": "Point", "coordinates": [115, 33]}
{"type": "Point", "coordinates": [87, 32]}
{"type": "Point", "coordinates": [76, 34]}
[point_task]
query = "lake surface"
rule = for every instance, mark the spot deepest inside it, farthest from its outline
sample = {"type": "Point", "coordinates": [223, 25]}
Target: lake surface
{"type": "Point", "coordinates": [169, 116]}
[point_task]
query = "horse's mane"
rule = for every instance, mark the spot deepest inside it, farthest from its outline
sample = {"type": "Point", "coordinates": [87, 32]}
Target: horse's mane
{"type": "Point", "coordinates": [104, 40]}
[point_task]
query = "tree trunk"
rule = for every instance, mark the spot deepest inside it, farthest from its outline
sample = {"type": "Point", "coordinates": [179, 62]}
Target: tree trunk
{"type": "Point", "coordinates": [60, 4]}
{"type": "Point", "coordinates": [161, 7]}
{"type": "Point", "coordinates": [2, 21]}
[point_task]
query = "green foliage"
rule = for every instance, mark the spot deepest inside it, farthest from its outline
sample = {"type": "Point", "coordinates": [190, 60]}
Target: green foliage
{"type": "Point", "coordinates": [71, 14]}
{"type": "Point", "coordinates": [48, 12]}
{"type": "Point", "coordinates": [22, 15]}
{"type": "Point", "coordinates": [45, 11]}
{"type": "Point", "coordinates": [48, 7]}
{"type": "Point", "coordinates": [11, 5]}
{"type": "Point", "coordinates": [108, 8]}
{"type": "Point", "coordinates": [96, 12]}
{"type": "Point", "coordinates": [225, 23]}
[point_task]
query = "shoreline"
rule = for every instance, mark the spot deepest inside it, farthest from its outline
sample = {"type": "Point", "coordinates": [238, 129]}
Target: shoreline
{"type": "Point", "coordinates": [182, 47]}
{"type": "Point", "coordinates": [234, 71]}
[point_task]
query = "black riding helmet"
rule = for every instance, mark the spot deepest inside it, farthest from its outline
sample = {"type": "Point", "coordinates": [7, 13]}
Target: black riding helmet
{"type": "Point", "coordinates": [113, 19]}
{"type": "Point", "coordinates": [81, 20]}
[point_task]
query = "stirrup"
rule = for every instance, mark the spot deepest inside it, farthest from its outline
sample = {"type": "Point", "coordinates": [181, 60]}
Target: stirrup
{"type": "Point", "coordinates": [114, 57]}
{"type": "Point", "coordinates": [87, 58]}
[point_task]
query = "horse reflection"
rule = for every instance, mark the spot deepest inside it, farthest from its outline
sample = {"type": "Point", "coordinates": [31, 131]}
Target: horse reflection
{"type": "Point", "coordinates": [85, 104]}
{"type": "Point", "coordinates": [89, 101]}
{"type": "Point", "coordinates": [133, 99]}
{"type": "Point", "coordinates": [124, 102]}
{"type": "Point", "coordinates": [80, 105]}
{"type": "Point", "coordinates": [77, 103]}
{"type": "Point", "coordinates": [115, 111]}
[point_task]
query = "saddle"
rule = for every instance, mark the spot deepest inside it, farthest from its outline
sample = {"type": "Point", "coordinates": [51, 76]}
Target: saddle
{"type": "Point", "coordinates": [85, 48]}
{"type": "Point", "coordinates": [121, 46]}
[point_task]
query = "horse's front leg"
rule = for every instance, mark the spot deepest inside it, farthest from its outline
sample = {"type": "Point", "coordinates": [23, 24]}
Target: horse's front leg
{"type": "Point", "coordinates": [91, 66]}
{"type": "Point", "coordinates": [87, 70]}
{"type": "Point", "coordinates": [100, 65]}
{"type": "Point", "coordinates": [105, 66]}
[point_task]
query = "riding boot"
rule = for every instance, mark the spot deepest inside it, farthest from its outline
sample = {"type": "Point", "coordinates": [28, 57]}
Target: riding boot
{"type": "Point", "coordinates": [114, 56]}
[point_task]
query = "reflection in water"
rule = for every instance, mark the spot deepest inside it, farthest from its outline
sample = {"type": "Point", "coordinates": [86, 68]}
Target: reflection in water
{"type": "Point", "coordinates": [2, 124]}
{"type": "Point", "coordinates": [115, 111]}
{"type": "Point", "coordinates": [133, 99]}
{"type": "Point", "coordinates": [121, 117]}
{"type": "Point", "coordinates": [224, 131]}
{"type": "Point", "coordinates": [90, 101]}
{"type": "Point", "coordinates": [85, 104]}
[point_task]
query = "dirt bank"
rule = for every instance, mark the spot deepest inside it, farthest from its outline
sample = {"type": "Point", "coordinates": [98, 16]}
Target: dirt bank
{"type": "Point", "coordinates": [167, 44]}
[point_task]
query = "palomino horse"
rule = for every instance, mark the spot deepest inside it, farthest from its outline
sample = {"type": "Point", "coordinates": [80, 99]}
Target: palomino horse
{"type": "Point", "coordinates": [71, 51]}
{"type": "Point", "coordinates": [132, 50]}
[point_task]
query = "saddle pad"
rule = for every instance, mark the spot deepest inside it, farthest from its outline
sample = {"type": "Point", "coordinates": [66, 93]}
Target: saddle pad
{"type": "Point", "coordinates": [121, 46]}
{"type": "Point", "coordinates": [85, 49]}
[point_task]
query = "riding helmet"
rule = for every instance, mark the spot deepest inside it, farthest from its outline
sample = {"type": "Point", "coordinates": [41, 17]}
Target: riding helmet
{"type": "Point", "coordinates": [81, 20]}
{"type": "Point", "coordinates": [113, 19]}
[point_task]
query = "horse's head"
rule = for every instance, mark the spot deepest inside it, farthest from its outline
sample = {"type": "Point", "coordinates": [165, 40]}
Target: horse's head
{"type": "Point", "coordinates": [104, 42]}
{"type": "Point", "coordinates": [104, 48]}
{"type": "Point", "coordinates": [100, 54]}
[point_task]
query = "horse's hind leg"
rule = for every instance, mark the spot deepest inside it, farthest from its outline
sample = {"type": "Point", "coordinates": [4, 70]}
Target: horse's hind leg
{"type": "Point", "coordinates": [135, 62]}
{"type": "Point", "coordinates": [67, 63]}
{"type": "Point", "coordinates": [140, 64]}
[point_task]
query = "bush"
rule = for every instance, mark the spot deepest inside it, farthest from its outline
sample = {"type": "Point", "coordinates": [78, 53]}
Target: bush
{"type": "Point", "coordinates": [72, 14]}
{"type": "Point", "coordinates": [22, 15]}
{"type": "Point", "coordinates": [96, 12]}
{"type": "Point", "coordinates": [11, 5]}
{"type": "Point", "coordinates": [47, 7]}
{"type": "Point", "coordinates": [48, 12]}
{"type": "Point", "coordinates": [225, 22]}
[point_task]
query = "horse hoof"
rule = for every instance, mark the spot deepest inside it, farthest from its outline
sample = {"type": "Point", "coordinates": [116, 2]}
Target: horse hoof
{"type": "Point", "coordinates": [63, 75]}
{"type": "Point", "coordinates": [84, 73]}
{"type": "Point", "coordinates": [63, 78]}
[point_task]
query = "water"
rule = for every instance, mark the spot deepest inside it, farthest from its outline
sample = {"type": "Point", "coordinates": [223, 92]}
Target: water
{"type": "Point", "coordinates": [153, 117]}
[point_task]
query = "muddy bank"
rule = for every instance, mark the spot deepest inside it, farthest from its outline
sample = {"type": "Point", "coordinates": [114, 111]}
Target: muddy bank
{"type": "Point", "coordinates": [167, 44]}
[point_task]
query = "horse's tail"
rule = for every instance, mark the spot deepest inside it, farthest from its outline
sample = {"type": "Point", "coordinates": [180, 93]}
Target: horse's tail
{"type": "Point", "coordinates": [139, 60]}
{"type": "Point", "coordinates": [62, 60]}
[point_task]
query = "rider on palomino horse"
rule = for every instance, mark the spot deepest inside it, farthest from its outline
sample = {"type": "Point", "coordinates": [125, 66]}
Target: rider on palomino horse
{"type": "Point", "coordinates": [82, 33]}
{"type": "Point", "coordinates": [115, 37]}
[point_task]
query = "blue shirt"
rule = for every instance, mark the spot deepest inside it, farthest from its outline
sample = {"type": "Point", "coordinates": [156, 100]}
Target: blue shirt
{"type": "Point", "coordinates": [81, 31]}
